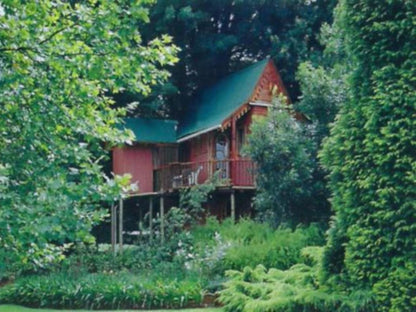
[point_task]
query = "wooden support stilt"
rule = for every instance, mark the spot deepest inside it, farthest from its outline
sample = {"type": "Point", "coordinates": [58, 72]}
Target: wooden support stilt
{"type": "Point", "coordinates": [113, 228]}
{"type": "Point", "coordinates": [120, 226]}
{"type": "Point", "coordinates": [233, 206]}
{"type": "Point", "coordinates": [140, 220]}
{"type": "Point", "coordinates": [151, 218]}
{"type": "Point", "coordinates": [162, 219]}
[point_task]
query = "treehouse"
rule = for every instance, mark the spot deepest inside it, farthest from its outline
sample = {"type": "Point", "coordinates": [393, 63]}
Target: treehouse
{"type": "Point", "coordinates": [171, 154]}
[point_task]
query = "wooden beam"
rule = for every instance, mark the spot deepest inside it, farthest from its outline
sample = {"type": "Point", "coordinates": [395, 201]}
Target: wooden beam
{"type": "Point", "coordinates": [162, 219]}
{"type": "Point", "coordinates": [233, 206]}
{"type": "Point", "coordinates": [120, 226]}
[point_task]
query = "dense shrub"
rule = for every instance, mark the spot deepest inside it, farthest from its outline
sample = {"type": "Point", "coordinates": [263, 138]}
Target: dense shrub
{"type": "Point", "coordinates": [293, 290]}
{"type": "Point", "coordinates": [102, 291]}
{"type": "Point", "coordinates": [249, 243]}
{"type": "Point", "coordinates": [284, 152]}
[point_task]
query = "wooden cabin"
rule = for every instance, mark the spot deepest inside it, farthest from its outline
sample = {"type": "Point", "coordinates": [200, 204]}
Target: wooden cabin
{"type": "Point", "coordinates": [171, 154]}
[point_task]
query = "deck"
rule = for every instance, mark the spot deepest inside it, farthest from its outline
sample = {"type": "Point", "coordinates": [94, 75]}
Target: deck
{"type": "Point", "coordinates": [235, 173]}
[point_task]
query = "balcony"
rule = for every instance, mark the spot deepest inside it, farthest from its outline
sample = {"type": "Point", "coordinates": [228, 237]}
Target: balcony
{"type": "Point", "coordinates": [237, 173]}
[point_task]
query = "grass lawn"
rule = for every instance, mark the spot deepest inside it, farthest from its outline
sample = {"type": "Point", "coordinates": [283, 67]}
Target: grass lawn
{"type": "Point", "coordinates": [14, 308]}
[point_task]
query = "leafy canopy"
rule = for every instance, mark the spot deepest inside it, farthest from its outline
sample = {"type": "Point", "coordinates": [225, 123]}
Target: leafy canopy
{"type": "Point", "coordinates": [59, 62]}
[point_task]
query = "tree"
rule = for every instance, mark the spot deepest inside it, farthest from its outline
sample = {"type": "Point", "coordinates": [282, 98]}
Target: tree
{"type": "Point", "coordinates": [222, 36]}
{"type": "Point", "coordinates": [59, 62]}
{"type": "Point", "coordinates": [324, 87]}
{"type": "Point", "coordinates": [371, 157]}
{"type": "Point", "coordinates": [324, 91]}
{"type": "Point", "coordinates": [282, 148]}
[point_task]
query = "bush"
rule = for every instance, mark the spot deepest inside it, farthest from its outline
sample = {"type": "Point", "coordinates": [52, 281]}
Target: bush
{"type": "Point", "coordinates": [289, 190]}
{"type": "Point", "coordinates": [102, 291]}
{"type": "Point", "coordinates": [279, 250]}
{"type": "Point", "coordinates": [294, 290]}
{"type": "Point", "coordinates": [249, 243]}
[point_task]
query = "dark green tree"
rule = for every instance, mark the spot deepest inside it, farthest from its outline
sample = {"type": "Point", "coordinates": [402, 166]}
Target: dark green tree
{"type": "Point", "coordinates": [324, 91]}
{"type": "Point", "coordinates": [221, 36]}
{"type": "Point", "coordinates": [323, 86]}
{"type": "Point", "coordinates": [371, 156]}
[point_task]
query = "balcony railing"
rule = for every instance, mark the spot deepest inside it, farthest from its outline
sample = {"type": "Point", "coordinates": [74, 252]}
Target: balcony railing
{"type": "Point", "coordinates": [233, 172]}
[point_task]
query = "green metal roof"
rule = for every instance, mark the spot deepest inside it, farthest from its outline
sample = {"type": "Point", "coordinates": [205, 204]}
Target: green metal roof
{"type": "Point", "coordinates": [209, 108]}
{"type": "Point", "coordinates": [214, 104]}
{"type": "Point", "coordinates": [152, 130]}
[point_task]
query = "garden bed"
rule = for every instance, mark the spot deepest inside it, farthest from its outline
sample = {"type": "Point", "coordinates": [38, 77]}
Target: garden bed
{"type": "Point", "coordinates": [15, 308]}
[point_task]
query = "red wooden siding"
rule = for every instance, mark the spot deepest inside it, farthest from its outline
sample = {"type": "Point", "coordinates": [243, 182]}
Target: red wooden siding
{"type": "Point", "coordinates": [137, 161]}
{"type": "Point", "coordinates": [201, 151]}
{"type": "Point", "coordinates": [268, 80]}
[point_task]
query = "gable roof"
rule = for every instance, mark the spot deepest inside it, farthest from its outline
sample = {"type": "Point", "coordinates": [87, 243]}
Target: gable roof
{"type": "Point", "coordinates": [214, 104]}
{"type": "Point", "coordinates": [152, 130]}
{"type": "Point", "coordinates": [210, 108]}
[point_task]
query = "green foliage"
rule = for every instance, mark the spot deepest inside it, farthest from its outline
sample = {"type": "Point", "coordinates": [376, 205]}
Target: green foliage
{"type": "Point", "coordinates": [59, 61]}
{"type": "Point", "coordinates": [283, 150]}
{"type": "Point", "coordinates": [178, 221]}
{"type": "Point", "coordinates": [370, 155]}
{"type": "Point", "coordinates": [191, 202]}
{"type": "Point", "coordinates": [99, 258]}
{"type": "Point", "coordinates": [293, 290]}
{"type": "Point", "coordinates": [280, 250]}
{"type": "Point", "coordinates": [324, 86]}
{"type": "Point", "coordinates": [15, 308]}
{"type": "Point", "coordinates": [221, 36]}
{"type": "Point", "coordinates": [102, 291]}
{"type": "Point", "coordinates": [249, 243]}
{"type": "Point", "coordinates": [186, 266]}
{"type": "Point", "coordinates": [323, 93]}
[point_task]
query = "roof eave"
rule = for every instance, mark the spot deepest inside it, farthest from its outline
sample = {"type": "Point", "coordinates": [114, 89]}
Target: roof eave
{"type": "Point", "coordinates": [195, 134]}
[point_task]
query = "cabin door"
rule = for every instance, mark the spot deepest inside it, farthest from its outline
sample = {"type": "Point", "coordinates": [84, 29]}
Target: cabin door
{"type": "Point", "coordinates": [222, 153]}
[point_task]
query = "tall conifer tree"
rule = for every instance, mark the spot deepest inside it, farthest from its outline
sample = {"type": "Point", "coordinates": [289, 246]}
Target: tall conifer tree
{"type": "Point", "coordinates": [371, 155]}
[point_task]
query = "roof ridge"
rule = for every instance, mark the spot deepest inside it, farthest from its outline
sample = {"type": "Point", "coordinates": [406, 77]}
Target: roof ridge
{"type": "Point", "coordinates": [239, 71]}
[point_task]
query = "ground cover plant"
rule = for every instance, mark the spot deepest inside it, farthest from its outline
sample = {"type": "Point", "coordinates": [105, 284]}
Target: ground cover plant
{"type": "Point", "coordinates": [14, 308]}
{"type": "Point", "coordinates": [119, 290]}
{"type": "Point", "coordinates": [294, 290]}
